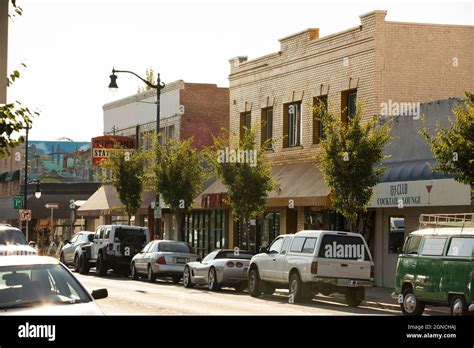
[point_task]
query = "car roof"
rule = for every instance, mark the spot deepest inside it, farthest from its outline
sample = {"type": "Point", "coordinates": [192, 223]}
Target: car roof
{"type": "Point", "coordinates": [27, 260]}
{"type": "Point", "coordinates": [317, 233]}
{"type": "Point", "coordinates": [9, 228]}
{"type": "Point", "coordinates": [444, 231]}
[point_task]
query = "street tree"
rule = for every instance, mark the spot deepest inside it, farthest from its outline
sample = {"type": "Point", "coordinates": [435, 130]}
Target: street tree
{"type": "Point", "coordinates": [125, 170]}
{"type": "Point", "coordinates": [350, 159]}
{"type": "Point", "coordinates": [241, 166]}
{"type": "Point", "coordinates": [178, 174]}
{"type": "Point", "coordinates": [453, 147]}
{"type": "Point", "coordinates": [150, 77]}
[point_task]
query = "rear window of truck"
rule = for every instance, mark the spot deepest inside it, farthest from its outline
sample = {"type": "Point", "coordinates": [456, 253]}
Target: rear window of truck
{"type": "Point", "coordinates": [130, 235]}
{"type": "Point", "coordinates": [343, 247]}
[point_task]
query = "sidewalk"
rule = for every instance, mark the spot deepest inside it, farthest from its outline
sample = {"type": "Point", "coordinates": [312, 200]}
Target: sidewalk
{"type": "Point", "coordinates": [376, 297]}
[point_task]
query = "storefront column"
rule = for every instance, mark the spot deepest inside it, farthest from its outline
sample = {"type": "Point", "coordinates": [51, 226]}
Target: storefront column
{"type": "Point", "coordinates": [300, 224]}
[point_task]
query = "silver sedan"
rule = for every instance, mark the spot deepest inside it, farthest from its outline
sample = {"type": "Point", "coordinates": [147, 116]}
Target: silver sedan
{"type": "Point", "coordinates": [219, 268]}
{"type": "Point", "coordinates": [162, 258]}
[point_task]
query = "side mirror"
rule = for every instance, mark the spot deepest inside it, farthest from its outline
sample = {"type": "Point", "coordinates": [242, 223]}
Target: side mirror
{"type": "Point", "coordinates": [262, 250]}
{"type": "Point", "coordinates": [66, 241]}
{"type": "Point", "coordinates": [199, 259]}
{"type": "Point", "coordinates": [100, 293]}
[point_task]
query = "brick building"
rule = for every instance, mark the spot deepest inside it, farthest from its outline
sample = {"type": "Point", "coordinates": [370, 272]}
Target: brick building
{"type": "Point", "coordinates": [187, 110]}
{"type": "Point", "coordinates": [376, 63]}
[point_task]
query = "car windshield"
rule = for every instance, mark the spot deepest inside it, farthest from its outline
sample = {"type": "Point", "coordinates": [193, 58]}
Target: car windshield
{"type": "Point", "coordinates": [32, 285]}
{"type": "Point", "coordinates": [244, 255]}
{"type": "Point", "coordinates": [14, 237]}
{"type": "Point", "coordinates": [129, 235]}
{"type": "Point", "coordinates": [175, 247]}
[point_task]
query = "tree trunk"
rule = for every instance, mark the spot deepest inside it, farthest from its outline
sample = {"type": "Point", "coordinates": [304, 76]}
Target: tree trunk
{"type": "Point", "coordinates": [179, 224]}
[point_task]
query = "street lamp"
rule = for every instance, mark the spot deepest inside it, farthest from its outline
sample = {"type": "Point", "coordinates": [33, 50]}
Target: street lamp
{"type": "Point", "coordinates": [38, 190]}
{"type": "Point", "coordinates": [159, 85]}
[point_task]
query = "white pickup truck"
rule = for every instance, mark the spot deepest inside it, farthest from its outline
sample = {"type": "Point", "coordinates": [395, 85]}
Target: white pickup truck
{"type": "Point", "coordinates": [311, 262]}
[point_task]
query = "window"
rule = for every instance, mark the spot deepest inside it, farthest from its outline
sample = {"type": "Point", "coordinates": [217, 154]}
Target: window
{"type": "Point", "coordinates": [276, 246]}
{"type": "Point", "coordinates": [396, 234]}
{"type": "Point", "coordinates": [348, 104]}
{"type": "Point", "coordinates": [462, 247]}
{"type": "Point", "coordinates": [245, 123]}
{"type": "Point", "coordinates": [285, 246]}
{"type": "Point", "coordinates": [343, 247]}
{"type": "Point", "coordinates": [292, 124]}
{"type": "Point", "coordinates": [309, 245]}
{"type": "Point", "coordinates": [175, 247]}
{"type": "Point", "coordinates": [101, 233]}
{"type": "Point", "coordinates": [297, 244]}
{"type": "Point", "coordinates": [433, 246]}
{"type": "Point", "coordinates": [321, 105]}
{"type": "Point", "coordinates": [210, 256]}
{"type": "Point", "coordinates": [412, 245]}
{"type": "Point", "coordinates": [267, 126]}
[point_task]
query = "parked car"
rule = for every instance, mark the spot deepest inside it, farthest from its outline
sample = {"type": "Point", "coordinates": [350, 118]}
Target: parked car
{"type": "Point", "coordinates": [219, 268]}
{"type": "Point", "coordinates": [13, 242]}
{"type": "Point", "coordinates": [71, 250]}
{"type": "Point", "coordinates": [113, 246]}
{"type": "Point", "coordinates": [41, 285]}
{"type": "Point", "coordinates": [311, 262]}
{"type": "Point", "coordinates": [436, 268]}
{"type": "Point", "coordinates": [162, 258]}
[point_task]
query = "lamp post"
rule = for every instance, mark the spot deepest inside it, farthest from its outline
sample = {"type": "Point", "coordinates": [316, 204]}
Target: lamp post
{"type": "Point", "coordinates": [159, 85]}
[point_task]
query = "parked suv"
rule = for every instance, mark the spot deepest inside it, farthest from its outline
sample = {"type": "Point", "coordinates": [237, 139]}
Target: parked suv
{"type": "Point", "coordinates": [113, 247]}
{"type": "Point", "coordinates": [13, 242]}
{"type": "Point", "coordinates": [436, 268]}
{"type": "Point", "coordinates": [71, 250]}
{"type": "Point", "coordinates": [311, 262]}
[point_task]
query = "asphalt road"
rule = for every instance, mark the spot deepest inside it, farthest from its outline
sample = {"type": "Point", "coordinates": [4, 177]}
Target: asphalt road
{"type": "Point", "coordinates": [129, 297]}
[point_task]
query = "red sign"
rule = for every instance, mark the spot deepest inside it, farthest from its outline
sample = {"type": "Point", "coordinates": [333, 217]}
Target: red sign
{"type": "Point", "coordinates": [214, 200]}
{"type": "Point", "coordinates": [101, 146]}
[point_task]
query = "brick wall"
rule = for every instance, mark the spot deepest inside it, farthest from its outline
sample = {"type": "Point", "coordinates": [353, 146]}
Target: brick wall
{"type": "Point", "coordinates": [206, 112]}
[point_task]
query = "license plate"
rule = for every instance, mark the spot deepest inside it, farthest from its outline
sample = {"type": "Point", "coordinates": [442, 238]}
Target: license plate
{"type": "Point", "coordinates": [180, 260]}
{"type": "Point", "coordinates": [347, 282]}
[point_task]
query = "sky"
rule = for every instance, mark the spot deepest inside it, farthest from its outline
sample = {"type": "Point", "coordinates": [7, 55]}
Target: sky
{"type": "Point", "coordinates": [70, 47]}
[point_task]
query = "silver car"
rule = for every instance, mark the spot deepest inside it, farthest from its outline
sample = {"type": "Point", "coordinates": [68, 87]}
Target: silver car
{"type": "Point", "coordinates": [219, 268]}
{"type": "Point", "coordinates": [71, 251]}
{"type": "Point", "coordinates": [162, 258]}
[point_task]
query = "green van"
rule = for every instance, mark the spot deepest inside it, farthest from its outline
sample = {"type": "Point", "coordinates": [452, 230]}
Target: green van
{"type": "Point", "coordinates": [436, 267]}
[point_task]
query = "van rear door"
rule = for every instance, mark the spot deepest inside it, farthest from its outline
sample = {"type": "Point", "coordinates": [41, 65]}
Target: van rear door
{"type": "Point", "coordinates": [343, 256]}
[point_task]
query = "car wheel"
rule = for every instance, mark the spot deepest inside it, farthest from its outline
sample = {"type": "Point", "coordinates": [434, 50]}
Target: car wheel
{"type": "Point", "coordinates": [212, 280]}
{"type": "Point", "coordinates": [254, 283]}
{"type": "Point", "coordinates": [151, 277]}
{"type": "Point", "coordinates": [134, 272]}
{"type": "Point", "coordinates": [411, 305]}
{"type": "Point", "coordinates": [76, 263]}
{"type": "Point", "coordinates": [61, 259]}
{"type": "Point", "coordinates": [100, 267]}
{"type": "Point", "coordinates": [187, 278]}
{"type": "Point", "coordinates": [458, 306]}
{"type": "Point", "coordinates": [84, 265]}
{"type": "Point", "coordinates": [296, 288]}
{"type": "Point", "coordinates": [353, 297]}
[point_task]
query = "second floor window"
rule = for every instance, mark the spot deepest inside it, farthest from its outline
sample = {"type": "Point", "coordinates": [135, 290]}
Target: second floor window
{"type": "Point", "coordinates": [267, 126]}
{"type": "Point", "coordinates": [293, 124]}
{"type": "Point", "coordinates": [348, 104]}
{"type": "Point", "coordinates": [318, 130]}
{"type": "Point", "coordinates": [245, 123]}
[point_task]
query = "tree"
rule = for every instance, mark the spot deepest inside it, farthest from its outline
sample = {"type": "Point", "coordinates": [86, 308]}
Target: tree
{"type": "Point", "coordinates": [150, 77]}
{"type": "Point", "coordinates": [453, 148]}
{"type": "Point", "coordinates": [243, 170]}
{"type": "Point", "coordinates": [125, 171]}
{"type": "Point", "coordinates": [13, 116]}
{"type": "Point", "coordinates": [178, 175]}
{"type": "Point", "coordinates": [350, 158]}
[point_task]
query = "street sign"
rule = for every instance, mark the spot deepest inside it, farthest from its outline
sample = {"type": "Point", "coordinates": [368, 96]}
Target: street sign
{"type": "Point", "coordinates": [17, 202]}
{"type": "Point", "coordinates": [25, 215]}
{"type": "Point", "coordinates": [157, 213]}
{"type": "Point", "coordinates": [51, 206]}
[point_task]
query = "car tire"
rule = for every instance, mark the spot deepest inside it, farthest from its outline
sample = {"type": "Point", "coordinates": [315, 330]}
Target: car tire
{"type": "Point", "coordinates": [353, 297]}
{"type": "Point", "coordinates": [151, 277]}
{"type": "Point", "coordinates": [411, 305]}
{"type": "Point", "coordinates": [84, 265]}
{"type": "Point", "coordinates": [76, 263]}
{"type": "Point", "coordinates": [187, 282]}
{"type": "Point", "coordinates": [254, 283]}
{"type": "Point", "coordinates": [296, 288]}
{"type": "Point", "coordinates": [100, 267]}
{"type": "Point", "coordinates": [212, 280]}
{"type": "Point", "coordinates": [134, 272]}
{"type": "Point", "coordinates": [61, 259]}
{"type": "Point", "coordinates": [458, 306]}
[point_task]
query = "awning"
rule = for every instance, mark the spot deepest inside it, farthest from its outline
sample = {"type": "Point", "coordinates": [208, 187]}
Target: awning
{"type": "Point", "coordinates": [412, 171]}
{"type": "Point", "coordinates": [13, 175]}
{"type": "Point", "coordinates": [301, 182]}
{"type": "Point", "coordinates": [105, 201]}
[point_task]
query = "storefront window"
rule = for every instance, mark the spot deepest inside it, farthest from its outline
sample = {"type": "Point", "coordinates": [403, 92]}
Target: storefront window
{"type": "Point", "coordinates": [259, 233]}
{"type": "Point", "coordinates": [396, 234]}
{"type": "Point", "coordinates": [206, 230]}
{"type": "Point", "coordinates": [313, 220]}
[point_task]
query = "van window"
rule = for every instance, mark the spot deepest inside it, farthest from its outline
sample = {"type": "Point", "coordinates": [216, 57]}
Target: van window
{"type": "Point", "coordinates": [343, 247]}
{"type": "Point", "coordinates": [412, 245]}
{"type": "Point", "coordinates": [101, 233]}
{"type": "Point", "coordinates": [461, 247]}
{"type": "Point", "coordinates": [433, 246]}
{"type": "Point", "coordinates": [297, 244]}
{"type": "Point", "coordinates": [309, 245]}
{"type": "Point", "coordinates": [107, 233]}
